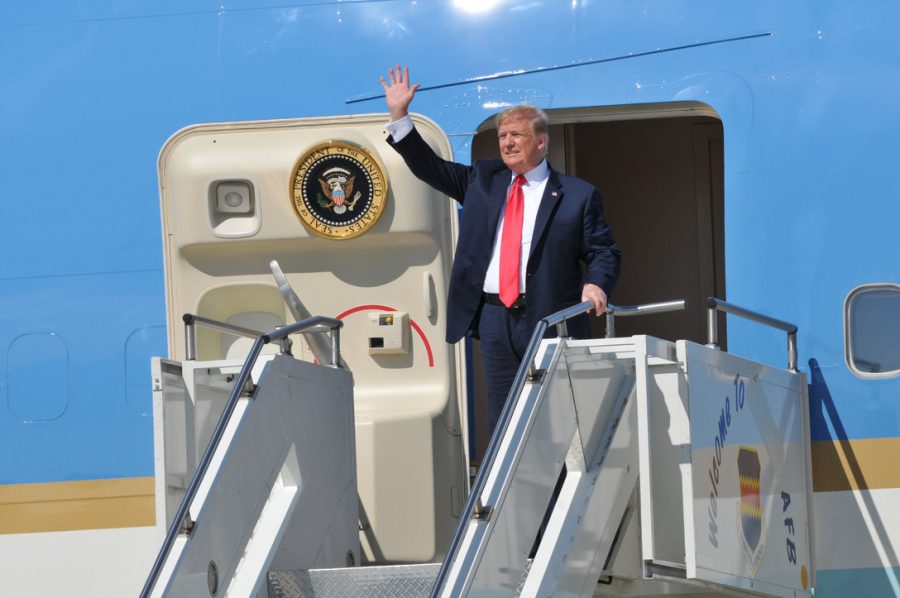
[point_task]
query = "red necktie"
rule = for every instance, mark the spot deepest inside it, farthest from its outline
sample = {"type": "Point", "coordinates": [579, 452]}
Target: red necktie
{"type": "Point", "coordinates": [511, 243]}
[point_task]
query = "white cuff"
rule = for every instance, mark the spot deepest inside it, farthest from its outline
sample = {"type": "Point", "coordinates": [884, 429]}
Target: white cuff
{"type": "Point", "coordinates": [398, 129]}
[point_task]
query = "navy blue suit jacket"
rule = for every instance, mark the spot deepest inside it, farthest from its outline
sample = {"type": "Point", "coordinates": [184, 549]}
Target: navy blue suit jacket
{"type": "Point", "coordinates": [569, 231]}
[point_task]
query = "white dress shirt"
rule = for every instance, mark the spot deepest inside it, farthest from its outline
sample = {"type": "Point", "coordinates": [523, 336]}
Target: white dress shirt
{"type": "Point", "coordinates": [533, 190]}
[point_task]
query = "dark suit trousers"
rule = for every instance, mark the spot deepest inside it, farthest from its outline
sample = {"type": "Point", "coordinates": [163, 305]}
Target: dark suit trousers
{"type": "Point", "coordinates": [504, 337]}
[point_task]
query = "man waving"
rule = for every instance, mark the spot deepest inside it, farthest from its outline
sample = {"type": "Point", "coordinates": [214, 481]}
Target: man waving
{"type": "Point", "coordinates": [532, 240]}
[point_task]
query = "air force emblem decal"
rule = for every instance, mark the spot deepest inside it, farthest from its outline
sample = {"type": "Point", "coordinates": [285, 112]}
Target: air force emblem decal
{"type": "Point", "coordinates": [750, 523]}
{"type": "Point", "coordinates": [338, 189]}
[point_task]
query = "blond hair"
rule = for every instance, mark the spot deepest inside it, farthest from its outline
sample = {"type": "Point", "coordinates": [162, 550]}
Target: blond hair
{"type": "Point", "coordinates": [539, 120]}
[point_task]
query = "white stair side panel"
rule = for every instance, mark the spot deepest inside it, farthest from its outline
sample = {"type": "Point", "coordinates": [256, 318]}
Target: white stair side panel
{"type": "Point", "coordinates": [296, 404]}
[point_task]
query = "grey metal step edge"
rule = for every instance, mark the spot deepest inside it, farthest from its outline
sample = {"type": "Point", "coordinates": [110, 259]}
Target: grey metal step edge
{"type": "Point", "coordinates": [392, 581]}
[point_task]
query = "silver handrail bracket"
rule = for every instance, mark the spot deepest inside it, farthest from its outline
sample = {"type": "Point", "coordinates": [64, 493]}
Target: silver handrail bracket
{"type": "Point", "coordinates": [639, 310]}
{"type": "Point", "coordinates": [715, 305]}
{"type": "Point", "coordinates": [331, 356]}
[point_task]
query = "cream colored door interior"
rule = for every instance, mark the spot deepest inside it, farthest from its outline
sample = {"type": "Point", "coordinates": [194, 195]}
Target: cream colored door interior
{"type": "Point", "coordinates": [359, 239]}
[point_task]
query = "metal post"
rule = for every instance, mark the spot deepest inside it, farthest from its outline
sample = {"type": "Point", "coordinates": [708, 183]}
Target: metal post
{"type": "Point", "coordinates": [792, 351]}
{"type": "Point", "coordinates": [610, 322]}
{"type": "Point", "coordinates": [712, 328]}
{"type": "Point", "coordinates": [190, 338]}
{"type": "Point", "coordinates": [336, 347]}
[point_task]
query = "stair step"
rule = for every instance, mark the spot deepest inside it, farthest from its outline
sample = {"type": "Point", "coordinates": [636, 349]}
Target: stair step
{"type": "Point", "coordinates": [391, 581]}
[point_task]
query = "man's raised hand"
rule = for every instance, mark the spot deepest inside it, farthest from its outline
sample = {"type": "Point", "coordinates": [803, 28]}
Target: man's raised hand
{"type": "Point", "coordinates": [399, 93]}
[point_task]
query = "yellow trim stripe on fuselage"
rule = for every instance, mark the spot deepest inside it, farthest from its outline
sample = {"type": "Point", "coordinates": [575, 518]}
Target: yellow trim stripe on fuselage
{"type": "Point", "coordinates": [866, 464]}
{"type": "Point", "coordinates": [86, 504]}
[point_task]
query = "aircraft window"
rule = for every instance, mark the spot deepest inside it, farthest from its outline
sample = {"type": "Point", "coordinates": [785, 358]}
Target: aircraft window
{"type": "Point", "coordinates": [871, 330]}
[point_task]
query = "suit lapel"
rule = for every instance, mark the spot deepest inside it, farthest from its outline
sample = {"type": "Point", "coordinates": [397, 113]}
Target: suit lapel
{"type": "Point", "coordinates": [552, 195]}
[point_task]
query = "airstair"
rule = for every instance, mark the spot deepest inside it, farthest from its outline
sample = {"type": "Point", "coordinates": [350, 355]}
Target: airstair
{"type": "Point", "coordinates": [658, 468]}
{"type": "Point", "coordinates": [620, 467]}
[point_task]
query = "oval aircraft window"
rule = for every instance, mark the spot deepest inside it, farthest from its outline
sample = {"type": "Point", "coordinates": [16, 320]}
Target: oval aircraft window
{"type": "Point", "coordinates": [871, 330]}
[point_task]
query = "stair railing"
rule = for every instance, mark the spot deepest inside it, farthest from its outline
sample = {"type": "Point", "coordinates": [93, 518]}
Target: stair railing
{"type": "Point", "coordinates": [712, 326]}
{"type": "Point", "coordinates": [190, 334]}
{"type": "Point", "coordinates": [528, 372]}
{"type": "Point", "coordinates": [182, 523]}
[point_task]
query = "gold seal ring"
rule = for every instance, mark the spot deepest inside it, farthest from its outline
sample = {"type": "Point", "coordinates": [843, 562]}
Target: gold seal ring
{"type": "Point", "coordinates": [338, 189]}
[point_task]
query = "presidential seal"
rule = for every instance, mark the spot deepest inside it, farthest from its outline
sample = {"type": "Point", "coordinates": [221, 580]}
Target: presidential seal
{"type": "Point", "coordinates": [338, 189]}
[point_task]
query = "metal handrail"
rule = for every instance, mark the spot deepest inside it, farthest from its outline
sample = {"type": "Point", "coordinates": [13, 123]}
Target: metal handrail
{"type": "Point", "coordinates": [712, 325]}
{"type": "Point", "coordinates": [527, 372]}
{"type": "Point", "coordinates": [182, 520]}
{"type": "Point", "coordinates": [638, 310]}
{"type": "Point", "coordinates": [190, 333]}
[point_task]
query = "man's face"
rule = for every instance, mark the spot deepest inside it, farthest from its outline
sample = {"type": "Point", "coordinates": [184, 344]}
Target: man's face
{"type": "Point", "coordinates": [520, 148]}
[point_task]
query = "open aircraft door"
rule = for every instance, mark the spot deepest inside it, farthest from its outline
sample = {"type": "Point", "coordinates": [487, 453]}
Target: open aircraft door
{"type": "Point", "coordinates": [359, 239]}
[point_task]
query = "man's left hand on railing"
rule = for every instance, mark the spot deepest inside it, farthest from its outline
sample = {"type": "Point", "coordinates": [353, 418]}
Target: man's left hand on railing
{"type": "Point", "coordinates": [595, 295]}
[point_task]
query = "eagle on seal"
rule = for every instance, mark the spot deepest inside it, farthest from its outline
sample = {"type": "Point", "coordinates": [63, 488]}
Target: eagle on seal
{"type": "Point", "coordinates": [337, 191]}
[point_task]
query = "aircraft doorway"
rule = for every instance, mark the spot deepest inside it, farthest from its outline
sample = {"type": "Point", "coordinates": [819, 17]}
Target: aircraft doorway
{"type": "Point", "coordinates": [659, 169]}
